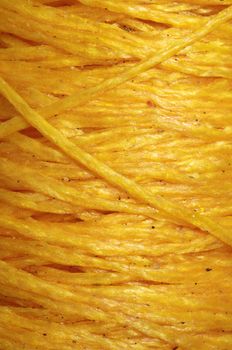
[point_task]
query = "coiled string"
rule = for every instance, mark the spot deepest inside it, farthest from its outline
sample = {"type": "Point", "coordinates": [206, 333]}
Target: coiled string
{"type": "Point", "coordinates": [115, 175]}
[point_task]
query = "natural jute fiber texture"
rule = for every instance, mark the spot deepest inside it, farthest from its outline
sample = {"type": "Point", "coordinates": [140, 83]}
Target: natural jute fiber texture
{"type": "Point", "coordinates": [116, 175]}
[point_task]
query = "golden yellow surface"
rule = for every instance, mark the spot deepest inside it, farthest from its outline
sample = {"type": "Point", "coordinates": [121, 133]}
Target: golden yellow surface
{"type": "Point", "coordinates": [116, 175]}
